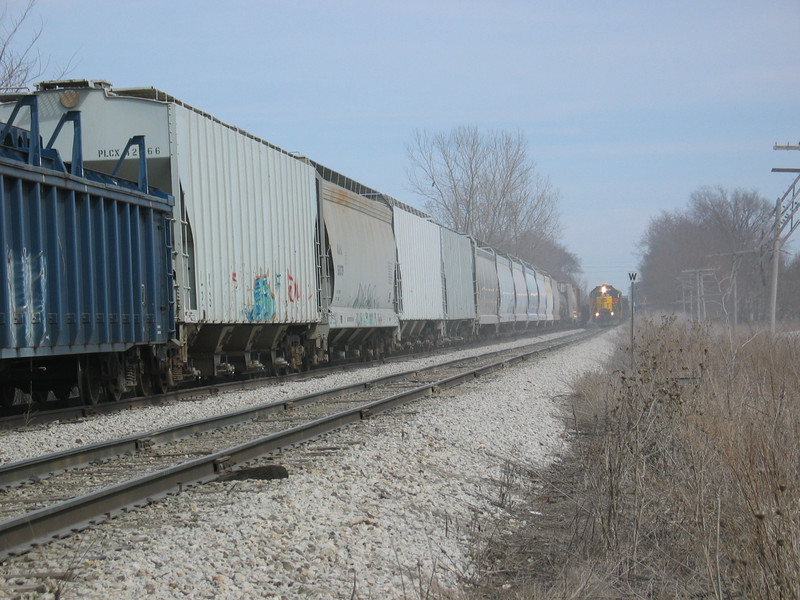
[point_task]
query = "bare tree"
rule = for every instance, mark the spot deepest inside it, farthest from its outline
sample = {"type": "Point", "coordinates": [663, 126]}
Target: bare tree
{"type": "Point", "coordinates": [554, 258]}
{"type": "Point", "coordinates": [20, 62]}
{"type": "Point", "coordinates": [737, 217]}
{"type": "Point", "coordinates": [672, 244]}
{"type": "Point", "coordinates": [486, 186]}
{"type": "Point", "coordinates": [447, 171]}
{"type": "Point", "coordinates": [715, 239]}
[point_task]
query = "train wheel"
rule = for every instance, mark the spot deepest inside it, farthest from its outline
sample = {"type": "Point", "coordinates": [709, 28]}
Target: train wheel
{"type": "Point", "coordinates": [163, 380]}
{"type": "Point", "coordinates": [144, 380]}
{"type": "Point", "coordinates": [159, 375]}
{"type": "Point", "coordinates": [113, 378]}
{"type": "Point", "coordinates": [40, 396]}
{"type": "Point", "coordinates": [144, 373]}
{"type": "Point", "coordinates": [7, 396]}
{"type": "Point", "coordinates": [152, 375]}
{"type": "Point", "coordinates": [63, 391]}
{"type": "Point", "coordinates": [89, 383]}
{"type": "Point", "coordinates": [112, 391]}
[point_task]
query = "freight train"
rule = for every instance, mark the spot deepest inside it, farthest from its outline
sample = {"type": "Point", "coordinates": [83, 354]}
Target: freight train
{"type": "Point", "coordinates": [227, 255]}
{"type": "Point", "coordinates": [606, 304]}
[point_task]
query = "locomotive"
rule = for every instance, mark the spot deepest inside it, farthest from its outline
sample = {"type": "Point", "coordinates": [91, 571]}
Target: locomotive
{"type": "Point", "coordinates": [606, 304]}
{"type": "Point", "coordinates": [226, 255]}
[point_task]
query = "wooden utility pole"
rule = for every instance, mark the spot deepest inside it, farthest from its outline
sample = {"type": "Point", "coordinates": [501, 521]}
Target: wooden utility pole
{"type": "Point", "coordinates": [734, 286]}
{"type": "Point", "coordinates": [785, 209]}
{"type": "Point", "coordinates": [694, 280]}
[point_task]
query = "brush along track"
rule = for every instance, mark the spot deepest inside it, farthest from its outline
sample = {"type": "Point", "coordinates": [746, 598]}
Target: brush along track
{"type": "Point", "coordinates": [167, 461]}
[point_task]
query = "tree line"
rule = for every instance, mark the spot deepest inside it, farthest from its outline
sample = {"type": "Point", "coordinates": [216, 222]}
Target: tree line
{"type": "Point", "coordinates": [484, 184]}
{"type": "Point", "coordinates": [713, 259]}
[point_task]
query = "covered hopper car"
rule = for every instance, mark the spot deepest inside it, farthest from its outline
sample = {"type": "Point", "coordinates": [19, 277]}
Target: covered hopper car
{"type": "Point", "coordinates": [248, 259]}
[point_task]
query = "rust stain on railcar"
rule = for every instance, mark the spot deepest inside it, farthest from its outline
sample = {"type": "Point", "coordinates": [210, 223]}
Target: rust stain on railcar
{"type": "Point", "coordinates": [340, 196]}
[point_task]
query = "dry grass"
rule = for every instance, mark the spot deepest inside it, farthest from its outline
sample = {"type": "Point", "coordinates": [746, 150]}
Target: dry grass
{"type": "Point", "coordinates": [684, 481]}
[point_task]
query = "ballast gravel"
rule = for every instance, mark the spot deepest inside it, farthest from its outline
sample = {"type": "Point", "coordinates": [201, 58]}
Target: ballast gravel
{"type": "Point", "coordinates": [383, 509]}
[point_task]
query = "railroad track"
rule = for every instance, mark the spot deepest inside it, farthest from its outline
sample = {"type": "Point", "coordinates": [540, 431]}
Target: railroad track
{"type": "Point", "coordinates": [25, 415]}
{"type": "Point", "coordinates": [40, 414]}
{"type": "Point", "coordinates": [58, 494]}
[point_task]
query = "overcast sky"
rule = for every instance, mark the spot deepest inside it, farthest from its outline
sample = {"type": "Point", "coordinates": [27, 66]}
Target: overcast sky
{"type": "Point", "coordinates": [627, 106]}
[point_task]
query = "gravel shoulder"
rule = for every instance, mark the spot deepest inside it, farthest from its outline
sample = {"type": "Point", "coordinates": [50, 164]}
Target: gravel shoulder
{"type": "Point", "coordinates": [383, 509]}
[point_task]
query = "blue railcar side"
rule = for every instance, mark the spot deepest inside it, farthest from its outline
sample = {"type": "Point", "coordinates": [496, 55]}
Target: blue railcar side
{"type": "Point", "coordinates": [74, 261]}
{"type": "Point", "coordinates": [86, 285]}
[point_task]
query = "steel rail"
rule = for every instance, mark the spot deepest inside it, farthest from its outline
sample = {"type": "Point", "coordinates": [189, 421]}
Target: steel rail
{"type": "Point", "coordinates": [78, 411]}
{"type": "Point", "coordinates": [40, 467]}
{"type": "Point", "coordinates": [41, 414]}
{"type": "Point", "coordinates": [20, 533]}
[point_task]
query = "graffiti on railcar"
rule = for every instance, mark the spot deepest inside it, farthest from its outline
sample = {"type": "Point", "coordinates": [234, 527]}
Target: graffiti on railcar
{"type": "Point", "coordinates": [366, 297]}
{"type": "Point", "coordinates": [26, 283]}
{"type": "Point", "coordinates": [369, 319]}
{"type": "Point", "coordinates": [294, 288]}
{"type": "Point", "coordinates": [263, 308]}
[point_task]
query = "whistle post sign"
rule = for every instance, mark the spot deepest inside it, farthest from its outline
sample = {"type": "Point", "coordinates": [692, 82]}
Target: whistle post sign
{"type": "Point", "coordinates": [632, 276]}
